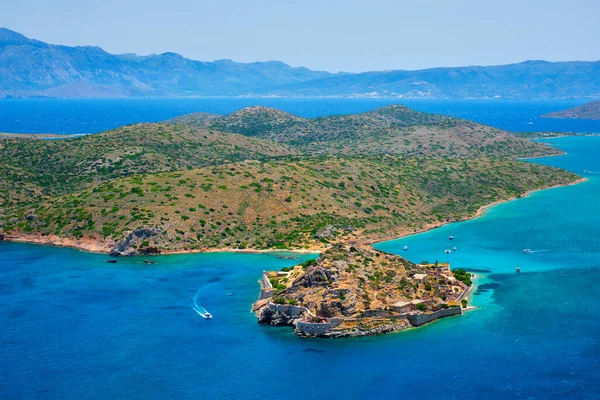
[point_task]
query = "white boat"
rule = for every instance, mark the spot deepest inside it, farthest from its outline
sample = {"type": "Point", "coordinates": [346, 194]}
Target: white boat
{"type": "Point", "coordinates": [527, 251]}
{"type": "Point", "coordinates": [518, 270]}
{"type": "Point", "coordinates": [207, 315]}
{"type": "Point", "coordinates": [454, 248]}
{"type": "Point", "coordinates": [451, 238]}
{"type": "Point", "coordinates": [447, 251]}
{"type": "Point", "coordinates": [405, 247]}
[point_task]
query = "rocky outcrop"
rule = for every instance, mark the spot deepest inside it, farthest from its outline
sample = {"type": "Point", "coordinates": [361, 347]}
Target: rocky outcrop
{"type": "Point", "coordinates": [279, 314]}
{"type": "Point", "coordinates": [378, 330]}
{"type": "Point", "coordinates": [126, 247]}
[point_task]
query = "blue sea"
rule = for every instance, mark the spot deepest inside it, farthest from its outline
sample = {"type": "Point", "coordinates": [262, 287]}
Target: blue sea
{"type": "Point", "coordinates": [73, 326]}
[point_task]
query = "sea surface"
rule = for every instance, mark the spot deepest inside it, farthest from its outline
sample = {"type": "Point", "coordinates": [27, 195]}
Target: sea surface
{"type": "Point", "coordinates": [97, 115]}
{"type": "Point", "coordinates": [73, 326]}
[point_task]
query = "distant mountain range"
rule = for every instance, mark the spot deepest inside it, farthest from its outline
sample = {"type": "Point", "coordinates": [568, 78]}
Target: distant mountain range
{"type": "Point", "coordinates": [31, 68]}
{"type": "Point", "coordinates": [584, 111]}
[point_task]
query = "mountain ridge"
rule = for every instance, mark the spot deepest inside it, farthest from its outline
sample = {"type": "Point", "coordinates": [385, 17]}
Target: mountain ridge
{"type": "Point", "coordinates": [32, 68]}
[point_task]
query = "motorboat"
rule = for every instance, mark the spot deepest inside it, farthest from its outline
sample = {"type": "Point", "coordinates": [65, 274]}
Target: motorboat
{"type": "Point", "coordinates": [207, 315]}
{"type": "Point", "coordinates": [447, 251]}
{"type": "Point", "coordinates": [527, 251]}
{"type": "Point", "coordinates": [229, 294]}
{"type": "Point", "coordinates": [405, 248]}
{"type": "Point", "coordinates": [451, 237]}
{"type": "Point", "coordinates": [518, 270]}
{"type": "Point", "coordinates": [454, 248]}
{"type": "Point", "coordinates": [111, 261]}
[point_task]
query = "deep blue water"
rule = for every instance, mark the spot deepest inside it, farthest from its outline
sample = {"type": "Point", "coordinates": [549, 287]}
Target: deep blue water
{"type": "Point", "coordinates": [73, 326]}
{"type": "Point", "coordinates": [96, 115]}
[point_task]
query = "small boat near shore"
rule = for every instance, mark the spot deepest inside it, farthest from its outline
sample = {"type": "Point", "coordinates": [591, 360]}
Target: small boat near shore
{"type": "Point", "coordinates": [405, 248]}
{"type": "Point", "coordinates": [111, 261]}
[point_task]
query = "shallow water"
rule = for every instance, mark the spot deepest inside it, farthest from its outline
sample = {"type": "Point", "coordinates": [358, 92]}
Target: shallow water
{"type": "Point", "coordinates": [73, 326]}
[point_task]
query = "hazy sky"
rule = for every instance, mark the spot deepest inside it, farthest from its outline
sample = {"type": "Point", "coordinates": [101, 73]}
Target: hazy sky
{"type": "Point", "coordinates": [348, 35]}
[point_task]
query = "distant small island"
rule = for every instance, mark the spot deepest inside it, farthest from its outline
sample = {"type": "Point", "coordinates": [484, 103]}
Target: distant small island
{"type": "Point", "coordinates": [585, 111]}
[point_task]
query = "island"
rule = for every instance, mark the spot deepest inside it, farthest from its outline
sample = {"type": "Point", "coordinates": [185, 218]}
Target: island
{"type": "Point", "coordinates": [355, 290]}
{"type": "Point", "coordinates": [585, 111]}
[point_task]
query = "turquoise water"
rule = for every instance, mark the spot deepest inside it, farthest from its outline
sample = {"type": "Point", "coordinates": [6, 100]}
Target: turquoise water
{"type": "Point", "coordinates": [73, 326]}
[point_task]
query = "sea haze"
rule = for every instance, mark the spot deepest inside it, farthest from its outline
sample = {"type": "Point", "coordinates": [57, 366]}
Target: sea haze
{"type": "Point", "coordinates": [76, 327]}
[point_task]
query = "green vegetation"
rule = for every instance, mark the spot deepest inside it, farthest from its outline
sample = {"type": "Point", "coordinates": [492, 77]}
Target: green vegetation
{"type": "Point", "coordinates": [392, 129]}
{"type": "Point", "coordinates": [273, 180]}
{"type": "Point", "coordinates": [463, 276]}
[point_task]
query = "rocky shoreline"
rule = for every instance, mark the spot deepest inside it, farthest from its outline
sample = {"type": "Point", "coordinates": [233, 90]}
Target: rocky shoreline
{"type": "Point", "coordinates": [268, 313]}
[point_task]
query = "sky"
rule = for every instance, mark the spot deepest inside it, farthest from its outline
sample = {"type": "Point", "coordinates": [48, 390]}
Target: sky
{"type": "Point", "coordinates": [334, 35]}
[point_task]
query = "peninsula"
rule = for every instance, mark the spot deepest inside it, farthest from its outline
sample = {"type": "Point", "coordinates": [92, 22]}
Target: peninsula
{"type": "Point", "coordinates": [261, 179]}
{"type": "Point", "coordinates": [585, 111]}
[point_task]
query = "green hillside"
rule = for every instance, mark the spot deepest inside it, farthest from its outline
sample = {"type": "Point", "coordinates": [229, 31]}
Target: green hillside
{"type": "Point", "coordinates": [262, 178]}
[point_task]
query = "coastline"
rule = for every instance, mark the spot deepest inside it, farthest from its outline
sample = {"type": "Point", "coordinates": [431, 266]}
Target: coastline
{"type": "Point", "coordinates": [92, 245]}
{"type": "Point", "coordinates": [478, 213]}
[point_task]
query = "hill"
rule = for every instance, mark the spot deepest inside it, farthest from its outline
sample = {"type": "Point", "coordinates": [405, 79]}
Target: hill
{"type": "Point", "coordinates": [586, 111]}
{"type": "Point", "coordinates": [306, 203]}
{"type": "Point", "coordinates": [261, 178]}
{"type": "Point", "coordinates": [60, 166]}
{"type": "Point", "coordinates": [393, 129]}
{"type": "Point", "coordinates": [31, 68]}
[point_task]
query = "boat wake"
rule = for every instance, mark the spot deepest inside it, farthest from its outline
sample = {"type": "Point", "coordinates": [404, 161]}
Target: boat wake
{"type": "Point", "coordinates": [199, 308]}
{"type": "Point", "coordinates": [529, 251]}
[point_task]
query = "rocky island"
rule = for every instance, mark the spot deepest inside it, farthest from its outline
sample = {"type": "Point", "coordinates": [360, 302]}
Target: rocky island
{"type": "Point", "coordinates": [354, 290]}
